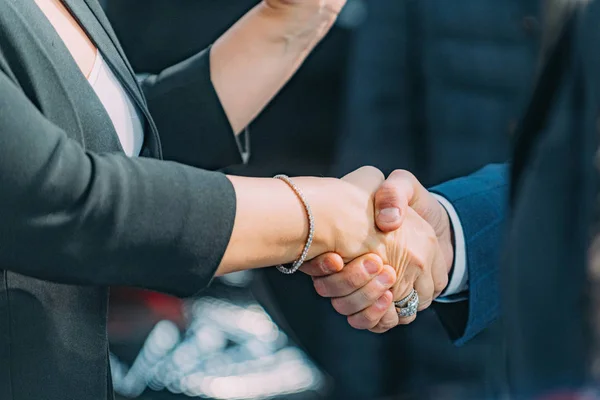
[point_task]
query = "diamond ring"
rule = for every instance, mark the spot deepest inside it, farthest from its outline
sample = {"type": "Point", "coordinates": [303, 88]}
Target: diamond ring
{"type": "Point", "coordinates": [407, 307]}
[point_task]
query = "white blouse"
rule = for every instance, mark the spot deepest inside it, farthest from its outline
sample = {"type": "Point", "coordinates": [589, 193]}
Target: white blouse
{"type": "Point", "coordinates": [124, 115]}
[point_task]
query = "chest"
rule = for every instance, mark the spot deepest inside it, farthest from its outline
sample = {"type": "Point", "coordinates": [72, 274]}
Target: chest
{"type": "Point", "coordinates": [74, 37]}
{"type": "Point", "coordinates": [49, 69]}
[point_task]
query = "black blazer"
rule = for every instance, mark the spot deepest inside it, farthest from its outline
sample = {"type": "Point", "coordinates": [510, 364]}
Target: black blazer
{"type": "Point", "coordinates": [77, 215]}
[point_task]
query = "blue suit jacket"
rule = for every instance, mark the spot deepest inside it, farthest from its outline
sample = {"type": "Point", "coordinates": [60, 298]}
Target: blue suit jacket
{"type": "Point", "coordinates": [434, 87]}
{"type": "Point", "coordinates": [480, 201]}
{"type": "Point", "coordinates": [550, 334]}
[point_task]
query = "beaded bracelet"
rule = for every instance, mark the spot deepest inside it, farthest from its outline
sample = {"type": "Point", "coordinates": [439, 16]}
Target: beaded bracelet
{"type": "Point", "coordinates": [311, 227]}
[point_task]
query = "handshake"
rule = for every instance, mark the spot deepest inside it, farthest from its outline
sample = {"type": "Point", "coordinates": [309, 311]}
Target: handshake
{"type": "Point", "coordinates": [403, 246]}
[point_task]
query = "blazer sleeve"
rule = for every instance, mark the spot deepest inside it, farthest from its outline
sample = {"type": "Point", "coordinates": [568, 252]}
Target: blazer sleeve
{"type": "Point", "coordinates": [76, 217]}
{"type": "Point", "coordinates": [480, 201]}
{"type": "Point", "coordinates": [191, 121]}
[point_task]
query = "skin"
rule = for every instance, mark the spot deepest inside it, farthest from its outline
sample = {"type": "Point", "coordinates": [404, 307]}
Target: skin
{"type": "Point", "coordinates": [80, 46]}
{"type": "Point", "coordinates": [375, 312]}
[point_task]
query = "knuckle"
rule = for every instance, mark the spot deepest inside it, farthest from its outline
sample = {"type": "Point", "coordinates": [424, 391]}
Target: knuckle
{"type": "Point", "coordinates": [340, 305]}
{"type": "Point", "coordinates": [371, 293]}
{"type": "Point", "coordinates": [403, 174]}
{"type": "Point", "coordinates": [369, 318]}
{"type": "Point", "coordinates": [388, 322]}
{"type": "Point", "coordinates": [440, 284]}
{"type": "Point", "coordinates": [429, 234]}
{"type": "Point", "coordinates": [356, 323]}
{"type": "Point", "coordinates": [370, 169]}
{"type": "Point", "coordinates": [388, 195]}
{"type": "Point", "coordinates": [372, 172]}
{"type": "Point", "coordinates": [355, 279]}
{"type": "Point", "coordinates": [419, 261]}
{"type": "Point", "coordinates": [363, 320]}
{"type": "Point", "coordinates": [401, 289]}
{"type": "Point", "coordinates": [320, 287]}
{"type": "Point", "coordinates": [424, 305]}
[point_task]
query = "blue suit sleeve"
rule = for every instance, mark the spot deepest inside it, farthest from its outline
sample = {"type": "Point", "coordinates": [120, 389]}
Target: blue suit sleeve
{"type": "Point", "coordinates": [480, 201]}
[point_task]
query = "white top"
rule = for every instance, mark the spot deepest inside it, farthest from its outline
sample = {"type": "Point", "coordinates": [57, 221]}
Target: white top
{"type": "Point", "coordinates": [458, 283]}
{"type": "Point", "coordinates": [124, 115]}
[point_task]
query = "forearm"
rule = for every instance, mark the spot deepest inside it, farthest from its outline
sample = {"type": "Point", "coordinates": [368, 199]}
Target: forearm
{"type": "Point", "coordinates": [271, 225]}
{"type": "Point", "coordinates": [252, 61]}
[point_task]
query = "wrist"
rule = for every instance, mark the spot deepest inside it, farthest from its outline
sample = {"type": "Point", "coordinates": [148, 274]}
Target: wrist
{"type": "Point", "coordinates": [319, 193]}
{"type": "Point", "coordinates": [443, 226]}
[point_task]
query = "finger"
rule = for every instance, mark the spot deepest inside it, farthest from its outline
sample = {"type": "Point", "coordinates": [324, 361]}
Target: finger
{"type": "Point", "coordinates": [388, 321]}
{"type": "Point", "coordinates": [354, 276]}
{"type": "Point", "coordinates": [406, 320]}
{"type": "Point", "coordinates": [405, 283]}
{"type": "Point", "coordinates": [391, 201]}
{"type": "Point", "coordinates": [370, 317]}
{"type": "Point", "coordinates": [408, 285]}
{"type": "Point", "coordinates": [325, 264]}
{"type": "Point", "coordinates": [367, 178]}
{"type": "Point", "coordinates": [403, 188]}
{"type": "Point", "coordinates": [367, 295]}
{"type": "Point", "coordinates": [425, 288]}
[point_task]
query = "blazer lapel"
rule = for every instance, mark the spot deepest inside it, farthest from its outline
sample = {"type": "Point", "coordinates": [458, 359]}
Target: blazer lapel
{"type": "Point", "coordinates": [86, 13]}
{"type": "Point", "coordinates": [93, 21]}
{"type": "Point", "coordinates": [95, 7]}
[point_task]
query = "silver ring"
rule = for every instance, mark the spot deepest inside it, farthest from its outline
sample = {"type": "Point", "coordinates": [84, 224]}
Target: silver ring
{"type": "Point", "coordinates": [402, 303]}
{"type": "Point", "coordinates": [407, 307]}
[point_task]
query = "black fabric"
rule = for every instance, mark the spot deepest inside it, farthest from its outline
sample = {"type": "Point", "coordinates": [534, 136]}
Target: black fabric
{"type": "Point", "coordinates": [77, 215]}
{"type": "Point", "coordinates": [434, 87]}
{"type": "Point", "coordinates": [554, 188]}
{"type": "Point", "coordinates": [190, 81]}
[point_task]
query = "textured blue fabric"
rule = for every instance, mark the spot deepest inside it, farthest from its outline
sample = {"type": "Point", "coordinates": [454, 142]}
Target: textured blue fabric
{"type": "Point", "coordinates": [480, 200]}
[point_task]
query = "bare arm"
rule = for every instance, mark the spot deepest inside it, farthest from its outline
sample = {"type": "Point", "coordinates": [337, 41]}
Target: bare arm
{"type": "Point", "coordinates": [271, 225]}
{"type": "Point", "coordinates": [252, 61]}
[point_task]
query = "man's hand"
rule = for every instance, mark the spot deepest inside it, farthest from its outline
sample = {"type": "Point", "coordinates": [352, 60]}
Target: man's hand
{"type": "Point", "coordinates": [402, 190]}
{"type": "Point", "coordinates": [396, 200]}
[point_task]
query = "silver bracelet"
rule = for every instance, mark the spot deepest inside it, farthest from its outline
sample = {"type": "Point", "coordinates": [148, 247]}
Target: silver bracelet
{"type": "Point", "coordinates": [311, 227]}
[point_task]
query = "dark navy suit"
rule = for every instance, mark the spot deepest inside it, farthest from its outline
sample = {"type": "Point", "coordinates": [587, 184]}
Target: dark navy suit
{"type": "Point", "coordinates": [436, 88]}
{"type": "Point", "coordinates": [554, 181]}
{"type": "Point", "coordinates": [480, 201]}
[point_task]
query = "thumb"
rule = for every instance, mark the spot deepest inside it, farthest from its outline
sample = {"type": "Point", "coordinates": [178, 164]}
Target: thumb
{"type": "Point", "coordinates": [400, 191]}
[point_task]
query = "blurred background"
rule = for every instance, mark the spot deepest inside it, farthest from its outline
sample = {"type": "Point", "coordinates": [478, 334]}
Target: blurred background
{"type": "Point", "coordinates": [433, 86]}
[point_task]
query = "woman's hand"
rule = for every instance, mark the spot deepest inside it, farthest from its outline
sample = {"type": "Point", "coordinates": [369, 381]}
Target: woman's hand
{"type": "Point", "coordinates": [308, 20]}
{"type": "Point", "coordinates": [252, 61]}
{"type": "Point", "coordinates": [363, 292]}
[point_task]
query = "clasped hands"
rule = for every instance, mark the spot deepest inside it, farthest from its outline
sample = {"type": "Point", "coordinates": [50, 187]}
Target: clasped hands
{"type": "Point", "coordinates": [407, 245]}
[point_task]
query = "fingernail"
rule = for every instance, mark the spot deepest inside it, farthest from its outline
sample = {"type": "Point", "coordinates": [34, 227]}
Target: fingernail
{"type": "Point", "coordinates": [372, 267]}
{"type": "Point", "coordinates": [389, 215]}
{"type": "Point", "coordinates": [326, 266]}
{"type": "Point", "coordinates": [384, 278]}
